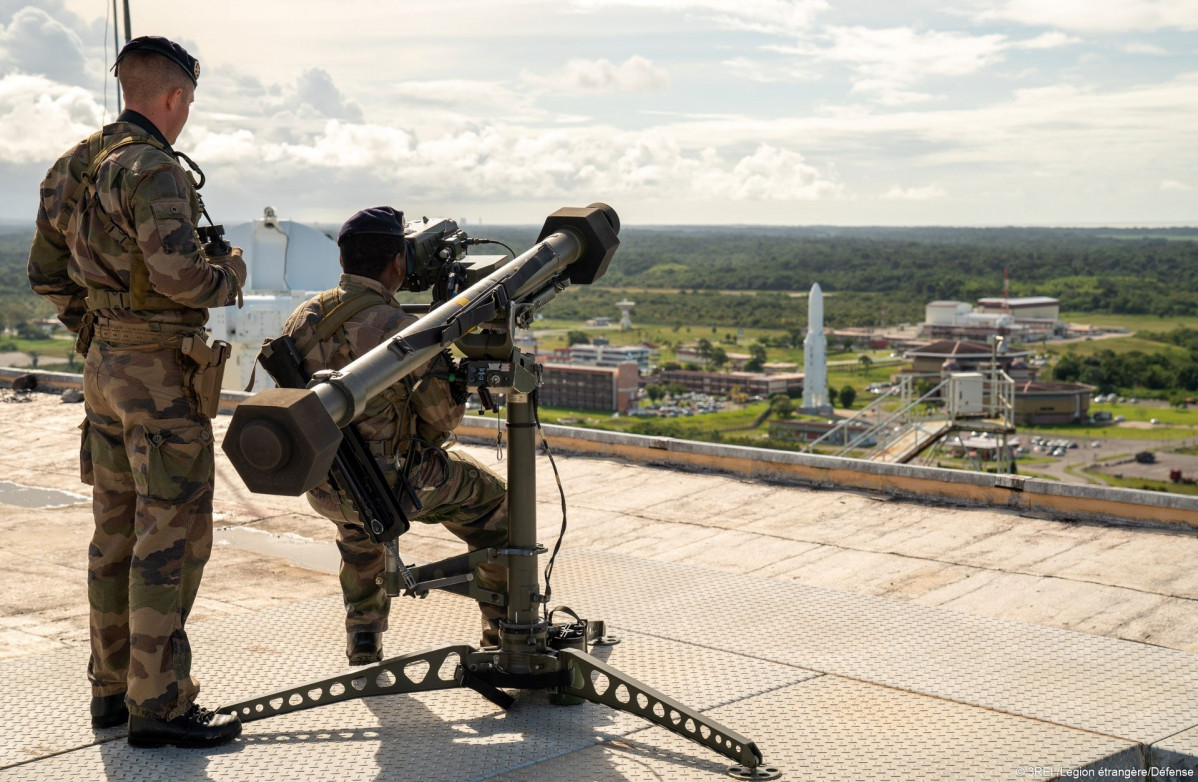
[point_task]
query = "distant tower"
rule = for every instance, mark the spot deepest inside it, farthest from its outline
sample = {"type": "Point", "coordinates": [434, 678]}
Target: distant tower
{"type": "Point", "coordinates": [625, 314]}
{"type": "Point", "coordinates": [815, 354]}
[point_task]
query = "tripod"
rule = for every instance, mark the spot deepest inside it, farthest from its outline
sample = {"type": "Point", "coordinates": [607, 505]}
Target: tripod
{"type": "Point", "coordinates": [532, 653]}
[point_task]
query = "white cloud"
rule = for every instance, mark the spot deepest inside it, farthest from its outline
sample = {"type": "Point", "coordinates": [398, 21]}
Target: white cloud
{"type": "Point", "coordinates": [772, 174]}
{"type": "Point", "coordinates": [770, 71]}
{"type": "Point", "coordinates": [785, 17]}
{"type": "Point", "coordinates": [39, 118]}
{"type": "Point", "coordinates": [925, 193]}
{"type": "Point", "coordinates": [35, 42]}
{"type": "Point", "coordinates": [636, 74]}
{"type": "Point", "coordinates": [513, 162]}
{"type": "Point", "coordinates": [888, 64]}
{"type": "Point", "coordinates": [1173, 186]}
{"type": "Point", "coordinates": [314, 89]}
{"type": "Point", "coordinates": [1052, 40]}
{"type": "Point", "coordinates": [1106, 16]}
{"type": "Point", "coordinates": [1145, 48]}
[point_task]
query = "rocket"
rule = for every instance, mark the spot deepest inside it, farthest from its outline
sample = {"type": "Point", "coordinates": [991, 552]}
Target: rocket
{"type": "Point", "coordinates": [815, 353]}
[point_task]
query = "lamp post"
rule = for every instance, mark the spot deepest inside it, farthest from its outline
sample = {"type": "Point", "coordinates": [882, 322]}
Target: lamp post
{"type": "Point", "coordinates": [998, 345]}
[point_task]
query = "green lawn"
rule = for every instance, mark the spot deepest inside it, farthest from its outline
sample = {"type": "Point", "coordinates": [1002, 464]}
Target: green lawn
{"type": "Point", "coordinates": [1086, 432]}
{"type": "Point", "coordinates": [55, 346]}
{"type": "Point", "coordinates": [1117, 345]}
{"type": "Point", "coordinates": [1168, 416]}
{"type": "Point", "coordinates": [1132, 322]}
{"type": "Point", "coordinates": [1146, 484]}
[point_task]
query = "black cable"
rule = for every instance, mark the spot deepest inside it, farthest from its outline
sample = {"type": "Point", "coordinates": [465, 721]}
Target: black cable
{"type": "Point", "coordinates": [562, 493]}
{"type": "Point", "coordinates": [492, 241]}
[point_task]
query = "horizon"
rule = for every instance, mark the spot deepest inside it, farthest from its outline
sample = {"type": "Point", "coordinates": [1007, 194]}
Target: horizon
{"type": "Point", "coordinates": [1164, 226]}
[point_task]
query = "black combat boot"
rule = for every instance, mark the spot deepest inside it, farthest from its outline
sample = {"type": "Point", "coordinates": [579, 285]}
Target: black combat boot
{"type": "Point", "coordinates": [197, 727]}
{"type": "Point", "coordinates": [108, 711]}
{"type": "Point", "coordinates": [363, 647]}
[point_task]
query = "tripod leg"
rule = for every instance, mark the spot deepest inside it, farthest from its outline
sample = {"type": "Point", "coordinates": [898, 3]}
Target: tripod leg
{"type": "Point", "coordinates": [596, 681]}
{"type": "Point", "coordinates": [425, 671]}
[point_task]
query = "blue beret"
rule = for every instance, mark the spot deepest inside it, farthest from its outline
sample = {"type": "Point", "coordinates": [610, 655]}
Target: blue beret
{"type": "Point", "coordinates": [168, 49]}
{"type": "Point", "coordinates": [375, 220]}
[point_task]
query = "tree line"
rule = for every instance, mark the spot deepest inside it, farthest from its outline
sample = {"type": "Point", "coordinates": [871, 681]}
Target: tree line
{"type": "Point", "coordinates": [872, 276]}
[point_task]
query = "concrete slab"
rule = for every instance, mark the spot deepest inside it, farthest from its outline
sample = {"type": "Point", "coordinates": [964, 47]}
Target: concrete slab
{"type": "Point", "coordinates": [950, 694]}
{"type": "Point", "coordinates": [836, 598]}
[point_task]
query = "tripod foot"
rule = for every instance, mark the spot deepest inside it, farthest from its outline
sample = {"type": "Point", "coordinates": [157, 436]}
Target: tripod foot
{"type": "Point", "coordinates": [598, 682]}
{"type": "Point", "coordinates": [416, 672]}
{"type": "Point", "coordinates": [756, 772]}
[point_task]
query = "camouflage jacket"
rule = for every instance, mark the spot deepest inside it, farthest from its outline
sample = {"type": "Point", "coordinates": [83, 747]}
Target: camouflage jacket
{"type": "Point", "coordinates": [428, 412]}
{"type": "Point", "coordinates": [150, 243]}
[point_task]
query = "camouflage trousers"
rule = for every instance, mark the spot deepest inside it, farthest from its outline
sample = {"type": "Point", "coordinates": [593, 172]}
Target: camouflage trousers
{"type": "Point", "coordinates": [456, 492]}
{"type": "Point", "coordinates": [148, 455]}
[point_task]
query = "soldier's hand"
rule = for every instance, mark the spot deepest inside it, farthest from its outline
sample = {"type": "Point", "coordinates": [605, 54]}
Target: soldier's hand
{"type": "Point", "coordinates": [232, 262]}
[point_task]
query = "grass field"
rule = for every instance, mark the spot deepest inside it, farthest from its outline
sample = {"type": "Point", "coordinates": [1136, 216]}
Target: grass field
{"type": "Point", "coordinates": [1168, 416]}
{"type": "Point", "coordinates": [1116, 345]}
{"type": "Point", "coordinates": [1087, 432]}
{"type": "Point", "coordinates": [55, 346]}
{"type": "Point", "coordinates": [1145, 484]}
{"type": "Point", "coordinates": [1132, 322]}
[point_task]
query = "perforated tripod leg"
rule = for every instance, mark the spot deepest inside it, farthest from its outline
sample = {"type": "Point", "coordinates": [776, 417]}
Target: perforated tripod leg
{"type": "Point", "coordinates": [596, 681]}
{"type": "Point", "coordinates": [433, 669]}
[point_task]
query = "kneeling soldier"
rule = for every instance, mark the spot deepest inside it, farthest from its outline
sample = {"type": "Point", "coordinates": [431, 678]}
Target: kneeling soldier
{"type": "Point", "coordinates": [407, 428]}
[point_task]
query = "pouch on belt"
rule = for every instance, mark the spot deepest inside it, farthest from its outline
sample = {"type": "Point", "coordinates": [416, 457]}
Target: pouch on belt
{"type": "Point", "coordinates": [210, 370]}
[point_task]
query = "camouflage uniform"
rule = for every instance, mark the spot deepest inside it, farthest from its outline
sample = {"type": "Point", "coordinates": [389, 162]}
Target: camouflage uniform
{"type": "Point", "coordinates": [454, 489]}
{"type": "Point", "coordinates": [128, 264]}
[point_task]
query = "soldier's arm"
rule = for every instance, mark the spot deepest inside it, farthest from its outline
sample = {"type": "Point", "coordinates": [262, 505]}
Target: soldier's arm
{"type": "Point", "coordinates": [49, 256]}
{"type": "Point", "coordinates": [433, 399]}
{"type": "Point", "coordinates": [162, 218]}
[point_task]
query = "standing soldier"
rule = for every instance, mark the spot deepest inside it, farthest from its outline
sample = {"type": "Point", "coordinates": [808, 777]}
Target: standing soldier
{"type": "Point", "coordinates": [117, 251]}
{"type": "Point", "coordinates": [408, 428]}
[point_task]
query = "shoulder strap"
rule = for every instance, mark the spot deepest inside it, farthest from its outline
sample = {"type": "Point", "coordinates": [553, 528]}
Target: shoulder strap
{"type": "Point", "coordinates": [90, 175]}
{"type": "Point", "coordinates": [348, 307]}
{"type": "Point", "coordinates": [141, 296]}
{"type": "Point", "coordinates": [95, 143]}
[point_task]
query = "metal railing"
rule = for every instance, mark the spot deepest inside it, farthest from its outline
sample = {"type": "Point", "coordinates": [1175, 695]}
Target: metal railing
{"type": "Point", "coordinates": [939, 406]}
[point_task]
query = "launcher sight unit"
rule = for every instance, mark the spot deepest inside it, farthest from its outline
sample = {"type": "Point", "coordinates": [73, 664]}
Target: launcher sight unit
{"type": "Point", "coordinates": [285, 440]}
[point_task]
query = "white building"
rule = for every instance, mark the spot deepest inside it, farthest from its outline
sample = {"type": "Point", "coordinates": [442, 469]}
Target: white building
{"type": "Point", "coordinates": [287, 262]}
{"type": "Point", "coordinates": [610, 355]}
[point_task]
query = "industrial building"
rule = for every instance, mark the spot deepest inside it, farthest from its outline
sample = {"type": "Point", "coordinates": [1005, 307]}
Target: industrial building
{"type": "Point", "coordinates": [1027, 308]}
{"type": "Point", "coordinates": [611, 389]}
{"type": "Point", "coordinates": [938, 358]}
{"type": "Point", "coordinates": [723, 383]}
{"type": "Point", "coordinates": [1029, 318]}
{"type": "Point", "coordinates": [610, 355]}
{"type": "Point", "coordinates": [1047, 403]}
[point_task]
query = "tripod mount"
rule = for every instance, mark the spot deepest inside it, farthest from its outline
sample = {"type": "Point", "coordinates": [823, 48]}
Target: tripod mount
{"type": "Point", "coordinates": [284, 441]}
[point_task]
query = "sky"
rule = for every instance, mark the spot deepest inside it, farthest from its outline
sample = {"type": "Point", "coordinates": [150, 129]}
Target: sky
{"type": "Point", "coordinates": [773, 112]}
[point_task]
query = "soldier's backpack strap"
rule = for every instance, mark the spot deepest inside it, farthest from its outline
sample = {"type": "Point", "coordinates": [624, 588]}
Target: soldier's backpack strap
{"type": "Point", "coordinates": [344, 310]}
{"type": "Point", "coordinates": [336, 318]}
{"type": "Point", "coordinates": [95, 142]}
{"type": "Point", "coordinates": [140, 296]}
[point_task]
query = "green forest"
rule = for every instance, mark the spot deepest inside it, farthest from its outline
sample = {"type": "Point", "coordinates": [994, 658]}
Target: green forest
{"type": "Point", "coordinates": [758, 277]}
{"type": "Point", "coordinates": [873, 276]}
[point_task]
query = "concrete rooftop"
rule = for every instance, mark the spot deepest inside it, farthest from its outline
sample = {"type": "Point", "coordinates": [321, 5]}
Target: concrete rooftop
{"type": "Point", "coordinates": [806, 602]}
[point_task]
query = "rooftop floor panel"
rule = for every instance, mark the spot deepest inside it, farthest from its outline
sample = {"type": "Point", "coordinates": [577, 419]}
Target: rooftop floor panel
{"type": "Point", "coordinates": [831, 627]}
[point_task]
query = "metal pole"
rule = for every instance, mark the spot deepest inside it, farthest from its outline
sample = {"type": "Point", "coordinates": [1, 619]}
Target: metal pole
{"type": "Point", "coordinates": [128, 24]}
{"type": "Point", "coordinates": [116, 46]}
{"type": "Point", "coordinates": [523, 574]}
